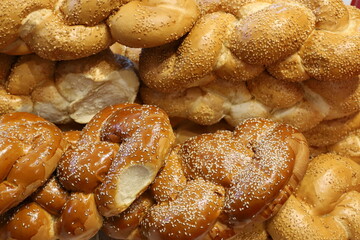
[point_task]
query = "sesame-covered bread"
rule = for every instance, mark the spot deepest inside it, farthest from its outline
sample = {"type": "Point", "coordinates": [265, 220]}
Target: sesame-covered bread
{"type": "Point", "coordinates": [216, 185]}
{"type": "Point", "coordinates": [31, 148]}
{"type": "Point", "coordinates": [292, 61]}
{"type": "Point", "coordinates": [325, 206]}
{"type": "Point", "coordinates": [66, 29]}
{"type": "Point", "coordinates": [118, 155]}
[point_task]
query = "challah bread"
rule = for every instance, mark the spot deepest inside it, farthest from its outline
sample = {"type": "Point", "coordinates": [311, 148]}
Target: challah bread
{"type": "Point", "coordinates": [66, 30]}
{"type": "Point", "coordinates": [31, 149]}
{"type": "Point", "coordinates": [228, 73]}
{"type": "Point", "coordinates": [303, 105]}
{"type": "Point", "coordinates": [67, 91]}
{"type": "Point", "coordinates": [219, 170]}
{"type": "Point", "coordinates": [128, 144]}
{"type": "Point", "coordinates": [325, 206]}
{"type": "Point", "coordinates": [55, 214]}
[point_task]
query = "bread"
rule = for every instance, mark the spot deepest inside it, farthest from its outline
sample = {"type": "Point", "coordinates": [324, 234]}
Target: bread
{"type": "Point", "coordinates": [207, 188]}
{"type": "Point", "coordinates": [54, 214]}
{"type": "Point", "coordinates": [67, 91]}
{"type": "Point", "coordinates": [94, 173]}
{"type": "Point", "coordinates": [330, 132]}
{"type": "Point", "coordinates": [66, 30]}
{"type": "Point", "coordinates": [128, 144]}
{"type": "Point", "coordinates": [326, 204]}
{"type": "Point", "coordinates": [276, 59]}
{"type": "Point", "coordinates": [31, 149]}
{"type": "Point", "coordinates": [303, 105]}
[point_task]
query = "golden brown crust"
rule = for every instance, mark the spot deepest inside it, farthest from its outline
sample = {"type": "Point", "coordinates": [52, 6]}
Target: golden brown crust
{"type": "Point", "coordinates": [348, 146]}
{"type": "Point", "coordinates": [30, 221]}
{"type": "Point", "coordinates": [252, 170]}
{"type": "Point", "coordinates": [126, 224]}
{"type": "Point", "coordinates": [329, 56]}
{"type": "Point", "coordinates": [52, 197]}
{"type": "Point", "coordinates": [36, 146]}
{"type": "Point", "coordinates": [27, 73]}
{"type": "Point", "coordinates": [128, 144]}
{"type": "Point", "coordinates": [184, 218]}
{"type": "Point", "coordinates": [322, 44]}
{"type": "Point", "coordinates": [253, 39]}
{"type": "Point", "coordinates": [80, 218]}
{"type": "Point", "coordinates": [87, 12]}
{"type": "Point", "coordinates": [185, 64]}
{"type": "Point", "coordinates": [12, 13]}
{"type": "Point", "coordinates": [62, 29]}
{"type": "Point", "coordinates": [326, 204]}
{"type": "Point", "coordinates": [150, 24]}
{"type": "Point", "coordinates": [42, 30]}
{"type": "Point", "coordinates": [330, 132]}
{"type": "Point", "coordinates": [330, 15]}
{"type": "Point", "coordinates": [342, 96]}
{"type": "Point", "coordinates": [53, 213]}
{"type": "Point", "coordinates": [266, 89]}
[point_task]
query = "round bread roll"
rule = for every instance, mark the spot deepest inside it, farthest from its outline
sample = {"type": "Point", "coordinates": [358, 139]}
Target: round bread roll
{"type": "Point", "coordinates": [31, 148]}
{"type": "Point", "coordinates": [325, 206]}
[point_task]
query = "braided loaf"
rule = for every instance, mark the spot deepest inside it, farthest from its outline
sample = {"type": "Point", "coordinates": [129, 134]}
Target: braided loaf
{"type": "Point", "coordinates": [292, 61]}
{"type": "Point", "coordinates": [66, 91]}
{"type": "Point", "coordinates": [66, 29]}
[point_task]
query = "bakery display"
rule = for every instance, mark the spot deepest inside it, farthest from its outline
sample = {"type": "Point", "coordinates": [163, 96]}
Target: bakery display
{"type": "Point", "coordinates": [66, 91]}
{"type": "Point", "coordinates": [187, 119]}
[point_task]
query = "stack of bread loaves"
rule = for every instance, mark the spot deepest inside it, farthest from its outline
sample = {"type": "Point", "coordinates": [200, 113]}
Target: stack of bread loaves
{"type": "Point", "coordinates": [67, 29]}
{"type": "Point", "coordinates": [103, 170]}
{"type": "Point", "coordinates": [249, 128]}
{"type": "Point", "coordinates": [122, 173]}
{"type": "Point", "coordinates": [292, 61]}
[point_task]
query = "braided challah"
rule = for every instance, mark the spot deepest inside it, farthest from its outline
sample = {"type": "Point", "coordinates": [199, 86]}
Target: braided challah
{"type": "Point", "coordinates": [214, 184]}
{"type": "Point", "coordinates": [66, 29]}
{"type": "Point", "coordinates": [325, 206]}
{"type": "Point", "coordinates": [31, 148]}
{"type": "Point", "coordinates": [292, 61]}
{"type": "Point", "coordinates": [106, 167]}
{"type": "Point", "coordinates": [66, 91]}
